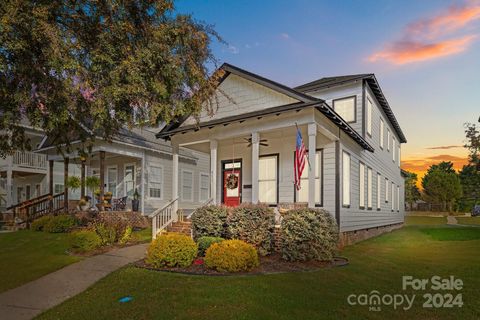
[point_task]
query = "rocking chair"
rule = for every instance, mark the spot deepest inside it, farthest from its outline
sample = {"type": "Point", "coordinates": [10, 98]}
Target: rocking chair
{"type": "Point", "coordinates": [120, 204]}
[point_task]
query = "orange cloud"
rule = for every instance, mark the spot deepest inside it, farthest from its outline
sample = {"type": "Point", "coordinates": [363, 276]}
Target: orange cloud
{"type": "Point", "coordinates": [425, 39]}
{"type": "Point", "coordinates": [445, 147]}
{"type": "Point", "coordinates": [406, 52]}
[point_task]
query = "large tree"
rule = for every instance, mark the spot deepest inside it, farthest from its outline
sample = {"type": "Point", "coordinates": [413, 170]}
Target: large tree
{"type": "Point", "coordinates": [84, 68]}
{"type": "Point", "coordinates": [441, 184]}
{"type": "Point", "coordinates": [412, 193]}
{"type": "Point", "coordinates": [472, 133]}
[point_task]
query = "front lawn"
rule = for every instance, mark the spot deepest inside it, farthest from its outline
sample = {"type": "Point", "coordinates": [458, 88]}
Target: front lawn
{"type": "Point", "coordinates": [468, 220]}
{"type": "Point", "coordinates": [27, 255]}
{"type": "Point", "coordinates": [425, 220]}
{"type": "Point", "coordinates": [375, 264]}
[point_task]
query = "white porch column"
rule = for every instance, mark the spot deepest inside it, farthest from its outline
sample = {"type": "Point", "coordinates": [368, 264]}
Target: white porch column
{"type": "Point", "coordinates": [9, 186]}
{"type": "Point", "coordinates": [144, 185]}
{"type": "Point", "coordinates": [175, 181]}
{"type": "Point", "coordinates": [255, 160]}
{"type": "Point", "coordinates": [312, 146]}
{"type": "Point", "coordinates": [213, 170]}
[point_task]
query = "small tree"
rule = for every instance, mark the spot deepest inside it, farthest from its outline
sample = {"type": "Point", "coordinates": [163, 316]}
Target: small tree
{"type": "Point", "coordinates": [442, 186]}
{"type": "Point", "coordinates": [412, 193]}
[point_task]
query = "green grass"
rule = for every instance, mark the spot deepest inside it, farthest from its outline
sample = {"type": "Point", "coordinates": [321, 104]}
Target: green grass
{"type": "Point", "coordinates": [468, 220]}
{"type": "Point", "coordinates": [375, 264]}
{"type": "Point", "coordinates": [420, 220]}
{"type": "Point", "coordinates": [143, 235]}
{"type": "Point", "coordinates": [453, 233]}
{"type": "Point", "coordinates": [27, 255]}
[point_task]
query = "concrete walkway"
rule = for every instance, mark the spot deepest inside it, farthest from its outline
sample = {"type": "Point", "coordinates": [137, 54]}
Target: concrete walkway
{"type": "Point", "coordinates": [451, 220]}
{"type": "Point", "coordinates": [31, 299]}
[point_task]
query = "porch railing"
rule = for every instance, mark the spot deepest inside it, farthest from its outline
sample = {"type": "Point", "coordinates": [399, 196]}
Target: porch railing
{"type": "Point", "coordinates": [35, 208]}
{"type": "Point", "coordinates": [206, 203]}
{"type": "Point", "coordinates": [162, 218]}
{"type": "Point", "coordinates": [26, 159]}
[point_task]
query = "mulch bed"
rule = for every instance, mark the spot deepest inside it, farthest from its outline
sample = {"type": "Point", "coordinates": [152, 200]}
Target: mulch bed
{"type": "Point", "coordinates": [268, 265]}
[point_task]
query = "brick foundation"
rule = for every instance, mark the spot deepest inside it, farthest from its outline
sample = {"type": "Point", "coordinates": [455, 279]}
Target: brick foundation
{"type": "Point", "coordinates": [135, 219]}
{"type": "Point", "coordinates": [351, 237]}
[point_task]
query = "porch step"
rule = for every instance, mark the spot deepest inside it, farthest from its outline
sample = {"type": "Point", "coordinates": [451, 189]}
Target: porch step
{"type": "Point", "coordinates": [184, 227]}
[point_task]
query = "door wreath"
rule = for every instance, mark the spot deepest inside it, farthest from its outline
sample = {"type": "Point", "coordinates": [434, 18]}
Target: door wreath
{"type": "Point", "coordinates": [232, 181]}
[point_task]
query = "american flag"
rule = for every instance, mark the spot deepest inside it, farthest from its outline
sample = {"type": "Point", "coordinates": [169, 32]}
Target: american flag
{"type": "Point", "coordinates": [299, 161]}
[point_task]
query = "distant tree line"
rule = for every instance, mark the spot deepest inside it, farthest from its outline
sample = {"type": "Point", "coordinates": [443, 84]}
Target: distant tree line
{"type": "Point", "coordinates": [455, 191]}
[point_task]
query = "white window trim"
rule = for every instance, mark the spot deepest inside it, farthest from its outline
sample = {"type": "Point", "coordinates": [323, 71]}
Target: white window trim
{"type": "Point", "coordinates": [388, 140]}
{"type": "Point", "coordinates": [382, 133]}
{"type": "Point", "coordinates": [387, 194]}
{"type": "Point", "coordinates": [162, 183]}
{"type": "Point", "coordinates": [398, 198]}
{"type": "Point", "coordinates": [55, 187]}
{"type": "Point", "coordinates": [369, 116]}
{"type": "Point", "coordinates": [354, 98]}
{"type": "Point", "coordinates": [393, 196]}
{"type": "Point", "coordinates": [318, 178]}
{"type": "Point", "coordinates": [134, 177]}
{"type": "Point", "coordinates": [379, 191]}
{"type": "Point", "coordinates": [276, 180]}
{"type": "Point", "coordinates": [361, 182]}
{"type": "Point", "coordinates": [192, 186]}
{"type": "Point", "coordinates": [116, 180]}
{"type": "Point", "coordinates": [393, 148]}
{"type": "Point", "coordinates": [39, 190]}
{"type": "Point", "coordinates": [399, 154]}
{"type": "Point", "coordinates": [346, 203]}
{"type": "Point", "coordinates": [369, 188]}
{"type": "Point", "coordinates": [30, 188]}
{"type": "Point", "coordinates": [200, 186]}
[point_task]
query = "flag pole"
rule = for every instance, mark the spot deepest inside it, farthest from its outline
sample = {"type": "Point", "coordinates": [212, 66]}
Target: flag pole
{"type": "Point", "coordinates": [308, 159]}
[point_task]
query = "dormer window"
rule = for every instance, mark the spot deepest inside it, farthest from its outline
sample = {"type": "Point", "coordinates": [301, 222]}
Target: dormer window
{"type": "Point", "coordinates": [346, 108]}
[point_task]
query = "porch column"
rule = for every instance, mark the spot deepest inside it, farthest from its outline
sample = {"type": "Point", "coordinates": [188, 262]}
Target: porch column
{"type": "Point", "coordinates": [82, 178]}
{"type": "Point", "coordinates": [50, 183]}
{"type": "Point", "coordinates": [213, 170]}
{"type": "Point", "coordinates": [9, 185]}
{"type": "Point", "coordinates": [144, 189]}
{"type": "Point", "coordinates": [255, 160]}
{"type": "Point", "coordinates": [175, 150]}
{"type": "Point", "coordinates": [102, 178]}
{"type": "Point", "coordinates": [65, 184]}
{"type": "Point", "coordinates": [312, 146]}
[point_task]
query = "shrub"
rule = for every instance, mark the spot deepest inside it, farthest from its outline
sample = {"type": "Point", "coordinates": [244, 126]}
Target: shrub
{"type": "Point", "coordinates": [308, 234]}
{"type": "Point", "coordinates": [111, 231]}
{"type": "Point", "coordinates": [84, 240]}
{"type": "Point", "coordinates": [205, 242]}
{"type": "Point", "coordinates": [127, 235]}
{"type": "Point", "coordinates": [231, 256]}
{"type": "Point", "coordinates": [59, 224]}
{"type": "Point", "coordinates": [253, 224]}
{"type": "Point", "coordinates": [39, 224]}
{"type": "Point", "coordinates": [171, 250]}
{"type": "Point", "coordinates": [209, 221]}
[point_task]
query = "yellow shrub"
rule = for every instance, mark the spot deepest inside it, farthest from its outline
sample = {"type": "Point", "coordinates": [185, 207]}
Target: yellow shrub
{"type": "Point", "coordinates": [231, 256]}
{"type": "Point", "coordinates": [171, 250]}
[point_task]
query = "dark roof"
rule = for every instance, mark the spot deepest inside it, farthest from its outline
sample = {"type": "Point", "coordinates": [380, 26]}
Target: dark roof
{"type": "Point", "coordinates": [370, 78]}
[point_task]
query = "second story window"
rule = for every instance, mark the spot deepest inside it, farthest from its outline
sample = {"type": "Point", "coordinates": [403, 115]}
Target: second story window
{"type": "Point", "coordinates": [393, 149]}
{"type": "Point", "coordinates": [369, 117]}
{"type": "Point", "coordinates": [388, 139]}
{"type": "Point", "coordinates": [381, 133]}
{"type": "Point", "coordinates": [346, 108]}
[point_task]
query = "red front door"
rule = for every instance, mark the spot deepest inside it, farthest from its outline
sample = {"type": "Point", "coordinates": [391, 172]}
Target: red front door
{"type": "Point", "coordinates": [232, 190]}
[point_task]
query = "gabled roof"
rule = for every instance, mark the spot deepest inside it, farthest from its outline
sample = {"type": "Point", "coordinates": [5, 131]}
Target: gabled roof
{"type": "Point", "coordinates": [329, 82]}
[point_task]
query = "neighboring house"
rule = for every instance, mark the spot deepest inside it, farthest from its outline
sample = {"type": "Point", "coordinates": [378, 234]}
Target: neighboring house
{"type": "Point", "coordinates": [350, 131]}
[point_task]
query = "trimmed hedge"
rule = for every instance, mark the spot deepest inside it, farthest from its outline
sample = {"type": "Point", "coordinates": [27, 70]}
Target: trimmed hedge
{"type": "Point", "coordinates": [112, 231]}
{"type": "Point", "coordinates": [209, 221]}
{"type": "Point", "coordinates": [253, 224]}
{"type": "Point", "coordinates": [39, 224]}
{"type": "Point", "coordinates": [171, 250]}
{"type": "Point", "coordinates": [84, 240]}
{"type": "Point", "coordinates": [308, 234]}
{"type": "Point", "coordinates": [205, 242]}
{"type": "Point", "coordinates": [231, 256]}
{"type": "Point", "coordinates": [54, 224]}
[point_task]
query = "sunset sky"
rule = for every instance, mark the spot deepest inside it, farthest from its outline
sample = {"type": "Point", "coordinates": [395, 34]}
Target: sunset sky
{"type": "Point", "coordinates": [426, 55]}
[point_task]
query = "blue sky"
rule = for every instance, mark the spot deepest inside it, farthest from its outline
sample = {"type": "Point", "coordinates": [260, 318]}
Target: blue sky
{"type": "Point", "coordinates": [424, 53]}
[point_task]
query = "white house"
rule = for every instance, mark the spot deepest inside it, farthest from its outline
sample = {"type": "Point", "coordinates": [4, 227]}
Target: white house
{"type": "Point", "coordinates": [348, 127]}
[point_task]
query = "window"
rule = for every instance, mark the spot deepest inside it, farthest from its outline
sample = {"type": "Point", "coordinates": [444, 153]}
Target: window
{"type": "Point", "coordinates": [155, 182]}
{"type": "Point", "coordinates": [302, 194]}
{"type": "Point", "coordinates": [204, 186]}
{"type": "Point", "coordinates": [346, 108]}
{"type": "Point", "coordinates": [369, 117]}
{"type": "Point", "coordinates": [346, 179]}
{"type": "Point", "coordinates": [38, 190]}
{"type": "Point", "coordinates": [28, 192]}
{"type": "Point", "coordinates": [362, 186]}
{"type": "Point", "coordinates": [379, 187]}
{"type": "Point", "coordinates": [129, 180]}
{"type": "Point", "coordinates": [398, 198]}
{"type": "Point", "coordinates": [58, 188]}
{"type": "Point", "coordinates": [393, 196]}
{"type": "Point", "coordinates": [393, 149]}
{"type": "Point", "coordinates": [388, 139]}
{"type": "Point", "coordinates": [399, 155]}
{"type": "Point", "coordinates": [187, 185]}
{"type": "Point", "coordinates": [267, 179]}
{"type": "Point", "coordinates": [112, 180]}
{"type": "Point", "coordinates": [369, 189]}
{"type": "Point", "coordinates": [381, 133]}
{"type": "Point", "coordinates": [386, 190]}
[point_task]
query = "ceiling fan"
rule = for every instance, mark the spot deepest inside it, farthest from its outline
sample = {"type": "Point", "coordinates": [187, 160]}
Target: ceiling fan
{"type": "Point", "coordinates": [263, 142]}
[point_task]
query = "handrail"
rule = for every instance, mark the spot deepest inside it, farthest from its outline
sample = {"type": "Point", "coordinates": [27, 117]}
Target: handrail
{"type": "Point", "coordinates": [30, 201]}
{"type": "Point", "coordinates": [163, 217]}
{"type": "Point", "coordinates": [35, 208]}
{"type": "Point", "coordinates": [206, 203]}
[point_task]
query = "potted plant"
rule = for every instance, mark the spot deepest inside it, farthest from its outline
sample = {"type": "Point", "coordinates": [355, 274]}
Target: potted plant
{"type": "Point", "coordinates": [107, 196]}
{"type": "Point", "coordinates": [92, 183]}
{"type": "Point", "coordinates": [135, 201]}
{"type": "Point", "coordinates": [84, 204]}
{"type": "Point", "coordinates": [74, 183]}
